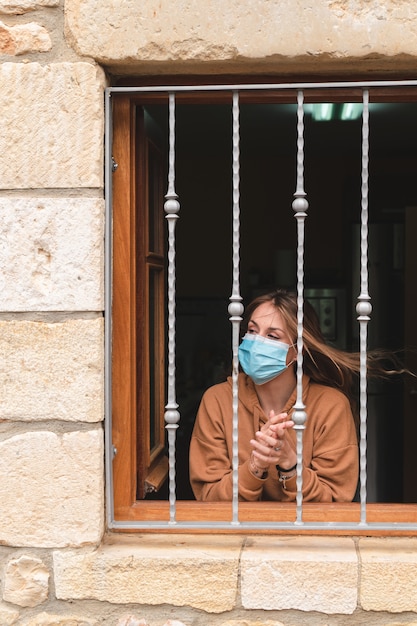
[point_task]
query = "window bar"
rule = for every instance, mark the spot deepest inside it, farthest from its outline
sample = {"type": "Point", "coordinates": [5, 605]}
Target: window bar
{"type": "Point", "coordinates": [171, 207]}
{"type": "Point", "coordinates": [235, 307]}
{"type": "Point", "coordinates": [364, 307]}
{"type": "Point", "coordinates": [300, 206]}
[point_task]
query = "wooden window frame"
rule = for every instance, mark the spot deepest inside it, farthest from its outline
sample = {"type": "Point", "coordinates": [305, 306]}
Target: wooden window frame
{"type": "Point", "coordinates": [139, 468]}
{"type": "Point", "coordinates": [125, 404]}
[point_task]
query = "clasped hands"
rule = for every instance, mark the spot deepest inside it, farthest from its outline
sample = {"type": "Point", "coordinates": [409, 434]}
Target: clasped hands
{"type": "Point", "coordinates": [271, 444]}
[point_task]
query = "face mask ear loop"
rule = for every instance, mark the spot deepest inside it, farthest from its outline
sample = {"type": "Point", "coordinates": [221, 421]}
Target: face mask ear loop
{"type": "Point", "coordinates": [291, 362]}
{"type": "Point", "coordinates": [294, 346]}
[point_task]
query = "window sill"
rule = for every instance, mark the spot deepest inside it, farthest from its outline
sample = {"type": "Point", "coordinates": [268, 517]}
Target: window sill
{"type": "Point", "coordinates": [218, 574]}
{"type": "Point", "coordinates": [271, 512]}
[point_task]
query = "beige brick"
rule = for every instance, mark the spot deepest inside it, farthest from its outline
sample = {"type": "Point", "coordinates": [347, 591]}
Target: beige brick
{"type": "Point", "coordinates": [26, 581]}
{"type": "Point", "coordinates": [388, 574]}
{"type": "Point", "coordinates": [52, 125]}
{"type": "Point", "coordinates": [51, 254]}
{"type": "Point", "coordinates": [249, 34]}
{"type": "Point", "coordinates": [19, 7]}
{"type": "Point", "coordinates": [295, 572]}
{"type": "Point", "coordinates": [51, 489]}
{"type": "Point", "coordinates": [52, 371]}
{"type": "Point", "coordinates": [168, 569]}
{"type": "Point", "coordinates": [24, 38]}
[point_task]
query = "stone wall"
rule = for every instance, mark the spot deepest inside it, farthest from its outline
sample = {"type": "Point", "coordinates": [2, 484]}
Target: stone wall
{"type": "Point", "coordinates": [57, 563]}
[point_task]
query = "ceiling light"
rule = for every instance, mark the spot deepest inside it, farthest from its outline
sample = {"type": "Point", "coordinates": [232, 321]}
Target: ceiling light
{"type": "Point", "coordinates": [322, 112]}
{"type": "Point", "coordinates": [351, 111]}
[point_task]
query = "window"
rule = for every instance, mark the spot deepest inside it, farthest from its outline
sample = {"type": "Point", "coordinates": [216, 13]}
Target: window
{"type": "Point", "coordinates": [138, 477]}
{"type": "Point", "coordinates": [139, 272]}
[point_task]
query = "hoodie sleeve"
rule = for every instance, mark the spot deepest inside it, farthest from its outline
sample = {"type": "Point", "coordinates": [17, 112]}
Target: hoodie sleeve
{"type": "Point", "coordinates": [331, 474]}
{"type": "Point", "coordinates": [211, 469]}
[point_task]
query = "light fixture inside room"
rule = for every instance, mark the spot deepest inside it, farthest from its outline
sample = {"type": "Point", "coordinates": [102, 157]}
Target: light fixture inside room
{"type": "Point", "coordinates": [325, 112]}
{"type": "Point", "coordinates": [322, 112]}
{"type": "Point", "coordinates": [351, 111]}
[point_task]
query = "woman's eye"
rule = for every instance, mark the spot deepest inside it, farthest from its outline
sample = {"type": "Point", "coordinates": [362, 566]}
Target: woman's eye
{"type": "Point", "coordinates": [273, 337]}
{"type": "Point", "coordinates": [251, 331]}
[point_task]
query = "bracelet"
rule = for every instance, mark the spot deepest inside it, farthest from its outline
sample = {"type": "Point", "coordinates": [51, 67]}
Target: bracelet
{"type": "Point", "coordinates": [284, 477]}
{"type": "Point", "coordinates": [259, 472]}
{"type": "Point", "coordinates": [281, 469]}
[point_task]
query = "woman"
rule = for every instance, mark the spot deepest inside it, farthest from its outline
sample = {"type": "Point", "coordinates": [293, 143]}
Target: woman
{"type": "Point", "coordinates": [267, 393]}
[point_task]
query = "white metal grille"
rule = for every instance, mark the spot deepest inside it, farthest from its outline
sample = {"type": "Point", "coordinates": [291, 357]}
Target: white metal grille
{"type": "Point", "coordinates": [235, 309]}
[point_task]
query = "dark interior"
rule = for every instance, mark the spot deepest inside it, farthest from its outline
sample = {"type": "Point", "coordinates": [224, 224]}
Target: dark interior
{"type": "Point", "coordinates": [333, 164]}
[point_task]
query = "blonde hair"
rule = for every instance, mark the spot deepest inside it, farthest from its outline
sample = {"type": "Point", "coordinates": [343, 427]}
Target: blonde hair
{"type": "Point", "coordinates": [322, 362]}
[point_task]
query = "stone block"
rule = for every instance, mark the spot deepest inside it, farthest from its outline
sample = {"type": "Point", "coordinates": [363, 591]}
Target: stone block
{"type": "Point", "coordinates": [51, 489]}
{"type": "Point", "coordinates": [52, 125]}
{"type": "Point", "coordinates": [51, 254]}
{"type": "Point", "coordinates": [26, 581]}
{"type": "Point", "coordinates": [249, 35]}
{"type": "Point", "coordinates": [52, 371]}
{"type": "Point", "coordinates": [23, 39]}
{"type": "Point", "coordinates": [304, 573]}
{"type": "Point", "coordinates": [19, 7]}
{"type": "Point", "coordinates": [388, 574]}
{"type": "Point", "coordinates": [201, 572]}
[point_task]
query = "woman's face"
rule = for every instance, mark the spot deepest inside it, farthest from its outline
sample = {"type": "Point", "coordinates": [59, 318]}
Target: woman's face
{"type": "Point", "coordinates": [267, 321]}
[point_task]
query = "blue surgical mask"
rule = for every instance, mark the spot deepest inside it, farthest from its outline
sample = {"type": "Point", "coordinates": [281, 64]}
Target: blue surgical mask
{"type": "Point", "coordinates": [261, 358]}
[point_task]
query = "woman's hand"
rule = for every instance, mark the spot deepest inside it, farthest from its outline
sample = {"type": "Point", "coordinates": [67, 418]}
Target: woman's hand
{"type": "Point", "coordinates": [271, 444]}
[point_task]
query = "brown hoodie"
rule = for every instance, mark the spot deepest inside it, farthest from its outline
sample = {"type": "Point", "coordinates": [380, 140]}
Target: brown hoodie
{"type": "Point", "coordinates": [330, 448]}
